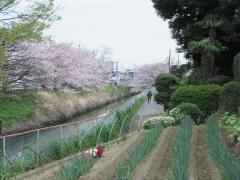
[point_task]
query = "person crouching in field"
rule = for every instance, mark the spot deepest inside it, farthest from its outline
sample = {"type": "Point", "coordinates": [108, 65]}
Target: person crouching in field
{"type": "Point", "coordinates": [95, 152]}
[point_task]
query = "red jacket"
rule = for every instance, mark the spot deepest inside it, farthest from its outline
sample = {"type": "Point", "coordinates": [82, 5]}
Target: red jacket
{"type": "Point", "coordinates": [99, 151]}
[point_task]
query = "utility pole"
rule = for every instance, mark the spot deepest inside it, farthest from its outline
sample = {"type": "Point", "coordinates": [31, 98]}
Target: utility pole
{"type": "Point", "coordinates": [178, 61]}
{"type": "Point", "coordinates": [117, 72]}
{"type": "Point", "coordinates": [169, 61]}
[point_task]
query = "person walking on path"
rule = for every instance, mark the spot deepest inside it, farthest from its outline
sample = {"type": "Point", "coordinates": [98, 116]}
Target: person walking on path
{"type": "Point", "coordinates": [149, 96]}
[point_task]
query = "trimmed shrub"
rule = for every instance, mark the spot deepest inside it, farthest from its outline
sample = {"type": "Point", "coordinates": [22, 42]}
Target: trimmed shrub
{"type": "Point", "coordinates": [165, 84]}
{"type": "Point", "coordinates": [231, 97]}
{"type": "Point", "coordinates": [196, 77]}
{"type": "Point", "coordinates": [165, 121]}
{"type": "Point", "coordinates": [219, 80]}
{"type": "Point", "coordinates": [176, 114]}
{"type": "Point", "coordinates": [236, 67]}
{"type": "Point", "coordinates": [206, 97]}
{"type": "Point", "coordinates": [192, 110]}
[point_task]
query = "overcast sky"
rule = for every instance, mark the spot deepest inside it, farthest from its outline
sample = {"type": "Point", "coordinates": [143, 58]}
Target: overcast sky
{"type": "Point", "coordinates": [130, 27]}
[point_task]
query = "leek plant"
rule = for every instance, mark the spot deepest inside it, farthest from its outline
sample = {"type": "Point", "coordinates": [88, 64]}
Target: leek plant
{"type": "Point", "coordinates": [80, 166]}
{"type": "Point", "coordinates": [228, 165]}
{"type": "Point", "coordinates": [127, 167]}
{"type": "Point", "coordinates": [180, 159]}
{"type": "Point", "coordinates": [77, 167]}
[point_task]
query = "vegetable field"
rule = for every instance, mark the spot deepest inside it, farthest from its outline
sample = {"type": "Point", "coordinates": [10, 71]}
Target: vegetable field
{"type": "Point", "coordinates": [184, 152]}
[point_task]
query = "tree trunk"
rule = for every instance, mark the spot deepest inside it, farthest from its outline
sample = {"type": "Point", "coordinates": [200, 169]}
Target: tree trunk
{"type": "Point", "coordinates": [208, 60]}
{"type": "Point", "coordinates": [207, 65]}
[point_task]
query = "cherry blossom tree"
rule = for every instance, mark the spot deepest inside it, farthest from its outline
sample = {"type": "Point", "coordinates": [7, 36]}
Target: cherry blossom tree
{"type": "Point", "coordinates": [145, 75]}
{"type": "Point", "coordinates": [52, 65]}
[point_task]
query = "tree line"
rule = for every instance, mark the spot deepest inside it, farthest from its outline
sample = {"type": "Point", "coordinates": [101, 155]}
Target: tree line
{"type": "Point", "coordinates": [208, 32]}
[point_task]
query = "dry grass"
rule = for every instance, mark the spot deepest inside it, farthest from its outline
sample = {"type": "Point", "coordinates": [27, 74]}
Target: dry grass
{"type": "Point", "coordinates": [57, 107]}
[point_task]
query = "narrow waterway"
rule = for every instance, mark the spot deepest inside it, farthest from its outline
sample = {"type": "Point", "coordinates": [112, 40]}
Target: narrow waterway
{"type": "Point", "coordinates": [99, 112]}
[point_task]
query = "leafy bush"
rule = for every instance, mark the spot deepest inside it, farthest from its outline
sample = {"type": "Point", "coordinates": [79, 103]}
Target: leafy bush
{"type": "Point", "coordinates": [55, 150]}
{"type": "Point", "coordinates": [196, 77]}
{"type": "Point", "coordinates": [236, 67]}
{"type": "Point", "coordinates": [176, 114]}
{"type": "Point", "coordinates": [219, 80]}
{"type": "Point", "coordinates": [228, 165]}
{"type": "Point", "coordinates": [232, 123]}
{"type": "Point", "coordinates": [165, 121]}
{"type": "Point", "coordinates": [192, 110]}
{"type": "Point", "coordinates": [231, 97]}
{"type": "Point", "coordinates": [206, 97]}
{"type": "Point", "coordinates": [165, 84]}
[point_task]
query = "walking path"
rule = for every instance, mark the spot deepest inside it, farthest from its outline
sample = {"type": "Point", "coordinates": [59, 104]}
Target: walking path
{"type": "Point", "coordinates": [148, 109]}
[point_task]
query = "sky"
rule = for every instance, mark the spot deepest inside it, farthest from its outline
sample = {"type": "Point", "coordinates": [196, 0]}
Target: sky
{"type": "Point", "coordinates": [131, 28]}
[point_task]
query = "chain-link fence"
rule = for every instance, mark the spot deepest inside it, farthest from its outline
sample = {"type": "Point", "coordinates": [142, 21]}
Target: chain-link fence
{"type": "Point", "coordinates": [25, 151]}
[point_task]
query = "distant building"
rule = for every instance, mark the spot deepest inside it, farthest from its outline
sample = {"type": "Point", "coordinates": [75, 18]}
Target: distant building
{"type": "Point", "coordinates": [125, 77]}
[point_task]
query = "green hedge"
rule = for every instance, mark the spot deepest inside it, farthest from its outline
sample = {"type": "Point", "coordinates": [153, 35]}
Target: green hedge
{"type": "Point", "coordinates": [196, 77]}
{"type": "Point", "coordinates": [219, 80]}
{"type": "Point", "coordinates": [231, 97]}
{"type": "Point", "coordinates": [165, 84]}
{"type": "Point", "coordinates": [236, 67]}
{"type": "Point", "coordinates": [192, 110]}
{"type": "Point", "coordinates": [206, 97]}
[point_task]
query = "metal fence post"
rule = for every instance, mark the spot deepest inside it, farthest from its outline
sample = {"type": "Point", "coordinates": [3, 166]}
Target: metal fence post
{"type": "Point", "coordinates": [38, 146]}
{"type": "Point", "coordinates": [4, 153]}
{"type": "Point", "coordinates": [61, 132]}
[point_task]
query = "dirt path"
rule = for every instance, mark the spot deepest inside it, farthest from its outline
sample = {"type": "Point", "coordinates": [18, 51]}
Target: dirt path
{"type": "Point", "coordinates": [155, 166]}
{"type": "Point", "coordinates": [202, 167]}
{"type": "Point", "coordinates": [105, 168]}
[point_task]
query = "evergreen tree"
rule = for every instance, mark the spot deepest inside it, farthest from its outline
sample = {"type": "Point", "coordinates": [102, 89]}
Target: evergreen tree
{"type": "Point", "coordinates": [214, 24]}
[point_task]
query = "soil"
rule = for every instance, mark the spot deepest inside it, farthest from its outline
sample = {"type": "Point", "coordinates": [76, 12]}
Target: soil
{"type": "Point", "coordinates": [113, 154]}
{"type": "Point", "coordinates": [156, 165]}
{"type": "Point", "coordinates": [202, 167]}
{"type": "Point", "coordinates": [105, 168]}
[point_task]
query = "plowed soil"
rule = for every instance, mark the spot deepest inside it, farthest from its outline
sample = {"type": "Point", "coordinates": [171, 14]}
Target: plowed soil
{"type": "Point", "coordinates": [155, 166]}
{"type": "Point", "coordinates": [105, 168]}
{"type": "Point", "coordinates": [202, 167]}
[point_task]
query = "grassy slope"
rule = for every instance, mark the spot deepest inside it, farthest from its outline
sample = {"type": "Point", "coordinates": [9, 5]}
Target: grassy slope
{"type": "Point", "coordinates": [22, 106]}
{"type": "Point", "coordinates": [17, 107]}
